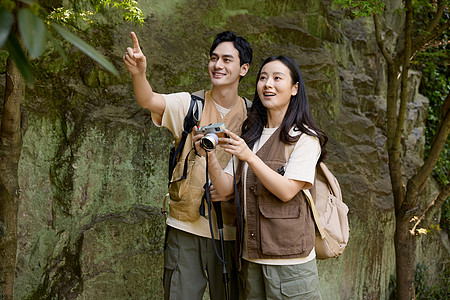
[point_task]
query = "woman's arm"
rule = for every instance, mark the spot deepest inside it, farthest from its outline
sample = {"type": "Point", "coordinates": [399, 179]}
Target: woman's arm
{"type": "Point", "coordinates": [283, 188]}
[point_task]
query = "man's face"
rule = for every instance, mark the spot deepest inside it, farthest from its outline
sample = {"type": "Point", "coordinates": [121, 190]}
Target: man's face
{"type": "Point", "coordinates": [224, 65]}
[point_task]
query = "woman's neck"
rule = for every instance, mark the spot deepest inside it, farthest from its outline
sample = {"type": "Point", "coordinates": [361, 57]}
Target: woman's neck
{"type": "Point", "coordinates": [275, 118]}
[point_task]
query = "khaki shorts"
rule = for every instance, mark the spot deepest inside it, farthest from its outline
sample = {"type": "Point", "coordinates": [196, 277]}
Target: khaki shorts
{"type": "Point", "coordinates": [299, 282]}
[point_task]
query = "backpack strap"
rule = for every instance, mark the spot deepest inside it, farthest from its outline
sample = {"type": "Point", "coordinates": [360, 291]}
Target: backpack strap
{"type": "Point", "coordinates": [248, 104]}
{"type": "Point", "coordinates": [310, 201]}
{"type": "Point", "coordinates": [308, 196]}
{"type": "Point", "coordinates": [192, 117]}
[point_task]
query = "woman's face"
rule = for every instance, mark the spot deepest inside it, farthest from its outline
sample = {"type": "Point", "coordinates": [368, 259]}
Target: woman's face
{"type": "Point", "coordinates": [275, 86]}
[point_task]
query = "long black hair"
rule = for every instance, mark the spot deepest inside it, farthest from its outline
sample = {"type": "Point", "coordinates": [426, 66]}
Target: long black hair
{"type": "Point", "coordinates": [298, 114]}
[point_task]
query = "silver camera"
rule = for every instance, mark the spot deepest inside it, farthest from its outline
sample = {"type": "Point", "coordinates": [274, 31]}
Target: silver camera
{"type": "Point", "coordinates": [212, 133]}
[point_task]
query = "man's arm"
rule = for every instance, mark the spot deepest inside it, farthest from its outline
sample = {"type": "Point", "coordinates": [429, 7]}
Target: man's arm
{"type": "Point", "coordinates": [136, 63]}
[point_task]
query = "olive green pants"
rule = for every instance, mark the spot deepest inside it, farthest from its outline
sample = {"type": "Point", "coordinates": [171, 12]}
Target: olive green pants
{"type": "Point", "coordinates": [299, 282]}
{"type": "Point", "coordinates": [190, 262]}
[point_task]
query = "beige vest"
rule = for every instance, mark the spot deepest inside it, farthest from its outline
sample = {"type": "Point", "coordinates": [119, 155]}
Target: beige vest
{"type": "Point", "coordinates": [186, 194]}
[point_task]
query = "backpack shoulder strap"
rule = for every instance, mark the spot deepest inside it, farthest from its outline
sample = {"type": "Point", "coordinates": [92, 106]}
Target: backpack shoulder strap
{"type": "Point", "coordinates": [248, 104]}
{"type": "Point", "coordinates": [192, 117]}
{"type": "Point", "coordinates": [194, 113]}
{"type": "Point", "coordinates": [314, 211]}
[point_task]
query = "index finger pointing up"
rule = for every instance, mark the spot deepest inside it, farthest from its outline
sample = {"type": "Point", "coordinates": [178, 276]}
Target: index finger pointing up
{"type": "Point", "coordinates": [135, 40]}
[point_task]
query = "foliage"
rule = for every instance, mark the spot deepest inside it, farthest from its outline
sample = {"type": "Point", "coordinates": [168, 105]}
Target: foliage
{"type": "Point", "coordinates": [423, 290]}
{"type": "Point", "coordinates": [435, 85]}
{"type": "Point", "coordinates": [129, 8]}
{"type": "Point", "coordinates": [36, 28]}
{"type": "Point", "coordinates": [131, 11]}
{"type": "Point", "coordinates": [423, 11]}
{"type": "Point", "coordinates": [69, 15]}
{"type": "Point", "coordinates": [362, 8]}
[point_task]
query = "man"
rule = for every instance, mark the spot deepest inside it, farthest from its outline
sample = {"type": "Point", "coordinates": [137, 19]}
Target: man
{"type": "Point", "coordinates": [190, 261]}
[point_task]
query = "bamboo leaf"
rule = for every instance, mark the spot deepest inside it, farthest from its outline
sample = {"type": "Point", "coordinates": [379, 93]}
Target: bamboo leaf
{"type": "Point", "coordinates": [16, 53]}
{"type": "Point", "coordinates": [86, 48]}
{"type": "Point", "coordinates": [6, 21]}
{"type": "Point", "coordinates": [33, 32]}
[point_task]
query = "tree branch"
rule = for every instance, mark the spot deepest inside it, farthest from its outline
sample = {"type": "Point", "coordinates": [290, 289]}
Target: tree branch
{"type": "Point", "coordinates": [420, 40]}
{"type": "Point", "coordinates": [431, 210]}
{"type": "Point", "coordinates": [417, 182]}
{"type": "Point", "coordinates": [395, 129]}
{"type": "Point", "coordinates": [404, 78]}
{"type": "Point", "coordinates": [432, 31]}
{"type": "Point", "coordinates": [380, 42]}
{"type": "Point", "coordinates": [439, 141]}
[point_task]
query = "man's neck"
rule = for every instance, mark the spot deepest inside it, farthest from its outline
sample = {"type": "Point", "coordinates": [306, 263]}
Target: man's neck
{"type": "Point", "coordinates": [225, 96]}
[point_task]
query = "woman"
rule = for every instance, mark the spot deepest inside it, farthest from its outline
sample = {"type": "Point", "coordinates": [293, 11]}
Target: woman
{"type": "Point", "coordinates": [276, 159]}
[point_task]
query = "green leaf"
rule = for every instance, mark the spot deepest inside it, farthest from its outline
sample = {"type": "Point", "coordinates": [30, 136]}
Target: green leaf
{"type": "Point", "coordinates": [33, 32]}
{"type": "Point", "coordinates": [6, 21]}
{"type": "Point", "coordinates": [12, 45]}
{"type": "Point", "coordinates": [86, 48]}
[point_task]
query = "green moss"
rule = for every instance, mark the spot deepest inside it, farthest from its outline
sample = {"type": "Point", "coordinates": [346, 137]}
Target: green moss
{"type": "Point", "coordinates": [187, 78]}
{"type": "Point", "coordinates": [3, 57]}
{"type": "Point", "coordinates": [218, 16]}
{"type": "Point", "coordinates": [63, 277]}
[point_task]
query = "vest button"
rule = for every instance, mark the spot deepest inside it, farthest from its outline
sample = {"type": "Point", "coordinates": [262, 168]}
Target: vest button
{"type": "Point", "coordinates": [252, 234]}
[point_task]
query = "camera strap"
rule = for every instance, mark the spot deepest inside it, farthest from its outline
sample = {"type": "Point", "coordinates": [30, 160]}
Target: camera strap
{"type": "Point", "coordinates": [217, 207]}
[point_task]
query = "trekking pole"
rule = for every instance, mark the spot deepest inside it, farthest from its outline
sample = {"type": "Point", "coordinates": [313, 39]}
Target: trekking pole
{"type": "Point", "coordinates": [218, 209]}
{"type": "Point", "coordinates": [226, 280]}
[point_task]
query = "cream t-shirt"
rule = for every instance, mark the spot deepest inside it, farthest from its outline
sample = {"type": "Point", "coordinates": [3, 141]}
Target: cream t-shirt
{"type": "Point", "coordinates": [304, 156]}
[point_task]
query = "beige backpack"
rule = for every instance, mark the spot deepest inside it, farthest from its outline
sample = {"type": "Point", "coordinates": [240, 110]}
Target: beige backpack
{"type": "Point", "coordinates": [330, 214]}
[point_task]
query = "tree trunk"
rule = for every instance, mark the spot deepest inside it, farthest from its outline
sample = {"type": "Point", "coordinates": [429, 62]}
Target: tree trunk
{"type": "Point", "coordinates": [405, 244]}
{"type": "Point", "coordinates": [10, 149]}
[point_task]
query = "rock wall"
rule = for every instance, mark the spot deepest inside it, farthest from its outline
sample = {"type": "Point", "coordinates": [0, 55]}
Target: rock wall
{"type": "Point", "coordinates": [93, 167]}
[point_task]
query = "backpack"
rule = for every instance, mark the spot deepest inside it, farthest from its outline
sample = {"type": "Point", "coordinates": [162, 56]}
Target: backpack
{"type": "Point", "coordinates": [329, 212]}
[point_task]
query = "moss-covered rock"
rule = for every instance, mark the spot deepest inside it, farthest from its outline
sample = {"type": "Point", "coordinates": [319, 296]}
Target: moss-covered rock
{"type": "Point", "coordinates": [93, 170]}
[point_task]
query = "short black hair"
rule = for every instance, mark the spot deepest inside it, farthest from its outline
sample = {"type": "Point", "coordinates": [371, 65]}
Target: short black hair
{"type": "Point", "coordinates": [241, 45]}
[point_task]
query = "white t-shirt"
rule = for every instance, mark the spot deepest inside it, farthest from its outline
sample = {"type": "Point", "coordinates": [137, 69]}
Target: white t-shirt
{"type": "Point", "coordinates": [304, 156]}
{"type": "Point", "coordinates": [177, 106]}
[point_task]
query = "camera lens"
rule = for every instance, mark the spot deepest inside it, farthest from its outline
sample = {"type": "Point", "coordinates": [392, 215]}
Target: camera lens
{"type": "Point", "coordinates": [209, 141]}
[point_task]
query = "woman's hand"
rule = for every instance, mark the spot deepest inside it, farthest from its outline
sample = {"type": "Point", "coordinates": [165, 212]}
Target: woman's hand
{"type": "Point", "coordinates": [236, 146]}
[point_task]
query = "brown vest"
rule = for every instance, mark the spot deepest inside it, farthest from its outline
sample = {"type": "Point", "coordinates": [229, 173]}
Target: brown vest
{"type": "Point", "coordinates": [186, 194]}
{"type": "Point", "coordinates": [276, 229]}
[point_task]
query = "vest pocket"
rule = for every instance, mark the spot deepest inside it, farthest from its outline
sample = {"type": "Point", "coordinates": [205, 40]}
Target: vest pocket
{"type": "Point", "coordinates": [280, 229]}
{"type": "Point", "coordinates": [186, 194]}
